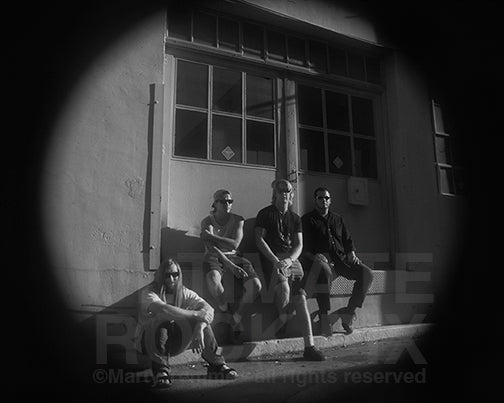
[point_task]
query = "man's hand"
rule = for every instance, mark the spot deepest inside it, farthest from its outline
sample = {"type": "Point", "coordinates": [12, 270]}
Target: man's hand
{"type": "Point", "coordinates": [352, 258]}
{"type": "Point", "coordinates": [319, 257]}
{"type": "Point", "coordinates": [203, 316]}
{"type": "Point", "coordinates": [282, 265]}
{"type": "Point", "coordinates": [198, 341]}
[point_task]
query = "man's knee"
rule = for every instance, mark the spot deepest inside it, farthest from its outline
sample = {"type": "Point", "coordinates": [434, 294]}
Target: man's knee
{"type": "Point", "coordinates": [213, 278]}
{"type": "Point", "coordinates": [282, 291]}
{"type": "Point", "coordinates": [253, 285]}
{"type": "Point", "coordinates": [299, 299]}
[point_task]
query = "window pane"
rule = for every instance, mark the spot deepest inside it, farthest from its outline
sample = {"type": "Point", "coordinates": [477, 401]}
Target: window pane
{"type": "Point", "coordinates": [340, 156]}
{"type": "Point", "coordinates": [226, 139]}
{"type": "Point", "coordinates": [443, 150]}
{"type": "Point", "coordinates": [365, 158]}
{"type": "Point", "coordinates": [356, 66]}
{"type": "Point", "coordinates": [318, 57]}
{"type": "Point", "coordinates": [191, 134]}
{"type": "Point", "coordinates": [228, 34]}
{"type": "Point", "coordinates": [312, 150]}
{"type": "Point", "coordinates": [310, 105]}
{"type": "Point", "coordinates": [297, 51]}
{"type": "Point", "coordinates": [260, 96]}
{"type": "Point", "coordinates": [253, 40]}
{"type": "Point", "coordinates": [337, 111]}
{"type": "Point", "coordinates": [362, 116]}
{"type": "Point", "coordinates": [205, 29]}
{"type": "Point", "coordinates": [227, 90]}
{"type": "Point", "coordinates": [260, 143]}
{"type": "Point", "coordinates": [438, 119]}
{"type": "Point", "coordinates": [276, 46]}
{"type": "Point", "coordinates": [446, 181]}
{"type": "Point", "coordinates": [337, 62]}
{"type": "Point", "coordinates": [179, 24]}
{"type": "Point", "coordinates": [373, 70]}
{"type": "Point", "coordinates": [192, 84]}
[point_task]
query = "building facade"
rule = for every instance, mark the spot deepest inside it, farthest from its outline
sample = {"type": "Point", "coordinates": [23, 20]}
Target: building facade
{"type": "Point", "coordinates": [233, 95]}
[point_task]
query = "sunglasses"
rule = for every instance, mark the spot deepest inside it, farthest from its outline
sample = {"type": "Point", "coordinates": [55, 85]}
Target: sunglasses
{"type": "Point", "coordinates": [228, 201]}
{"type": "Point", "coordinates": [174, 275]}
{"type": "Point", "coordinates": [324, 197]}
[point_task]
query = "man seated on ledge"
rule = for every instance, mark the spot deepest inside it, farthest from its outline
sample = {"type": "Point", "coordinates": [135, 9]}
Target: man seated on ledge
{"type": "Point", "coordinates": [329, 252]}
{"type": "Point", "coordinates": [278, 235]}
{"type": "Point", "coordinates": [172, 317]}
{"type": "Point", "coordinates": [222, 233]}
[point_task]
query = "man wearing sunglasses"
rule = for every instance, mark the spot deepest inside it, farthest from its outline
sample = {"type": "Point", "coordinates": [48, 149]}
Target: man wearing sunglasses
{"type": "Point", "coordinates": [278, 235]}
{"type": "Point", "coordinates": [222, 233]}
{"type": "Point", "coordinates": [329, 252]}
{"type": "Point", "coordinates": [172, 318]}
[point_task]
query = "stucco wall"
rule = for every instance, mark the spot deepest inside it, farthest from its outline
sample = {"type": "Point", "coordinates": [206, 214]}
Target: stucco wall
{"type": "Point", "coordinates": [326, 14]}
{"type": "Point", "coordinates": [96, 171]}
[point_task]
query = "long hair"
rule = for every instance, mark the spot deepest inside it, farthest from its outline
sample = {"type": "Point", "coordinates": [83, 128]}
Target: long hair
{"type": "Point", "coordinates": [159, 280]}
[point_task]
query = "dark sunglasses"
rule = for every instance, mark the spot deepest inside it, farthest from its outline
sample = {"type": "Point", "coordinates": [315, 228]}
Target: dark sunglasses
{"type": "Point", "coordinates": [324, 197]}
{"type": "Point", "coordinates": [174, 275]}
{"type": "Point", "coordinates": [228, 201]}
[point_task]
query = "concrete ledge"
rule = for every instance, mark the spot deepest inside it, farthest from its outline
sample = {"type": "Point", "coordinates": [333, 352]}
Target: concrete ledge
{"type": "Point", "coordinates": [295, 345]}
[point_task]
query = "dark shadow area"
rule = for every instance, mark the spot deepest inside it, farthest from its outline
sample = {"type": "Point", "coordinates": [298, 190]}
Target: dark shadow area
{"type": "Point", "coordinates": [53, 46]}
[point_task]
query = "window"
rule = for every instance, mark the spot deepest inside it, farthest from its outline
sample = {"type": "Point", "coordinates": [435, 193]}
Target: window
{"type": "Point", "coordinates": [336, 132]}
{"type": "Point", "coordinates": [449, 154]}
{"type": "Point", "coordinates": [270, 45]}
{"type": "Point", "coordinates": [224, 114]}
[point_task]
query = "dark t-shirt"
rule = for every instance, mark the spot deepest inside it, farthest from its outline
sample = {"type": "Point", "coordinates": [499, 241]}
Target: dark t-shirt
{"type": "Point", "coordinates": [280, 228]}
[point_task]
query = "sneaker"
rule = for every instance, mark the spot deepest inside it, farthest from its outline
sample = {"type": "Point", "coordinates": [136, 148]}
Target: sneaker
{"type": "Point", "coordinates": [347, 319]}
{"type": "Point", "coordinates": [311, 353]}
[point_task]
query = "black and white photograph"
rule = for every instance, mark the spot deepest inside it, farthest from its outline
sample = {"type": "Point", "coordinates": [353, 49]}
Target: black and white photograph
{"type": "Point", "coordinates": [252, 200]}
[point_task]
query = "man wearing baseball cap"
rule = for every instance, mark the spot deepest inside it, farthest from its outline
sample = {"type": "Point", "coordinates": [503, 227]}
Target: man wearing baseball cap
{"type": "Point", "coordinates": [222, 233]}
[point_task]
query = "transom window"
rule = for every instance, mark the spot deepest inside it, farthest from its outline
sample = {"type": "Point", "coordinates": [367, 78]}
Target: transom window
{"type": "Point", "coordinates": [224, 114]}
{"type": "Point", "coordinates": [259, 42]}
{"type": "Point", "coordinates": [336, 132]}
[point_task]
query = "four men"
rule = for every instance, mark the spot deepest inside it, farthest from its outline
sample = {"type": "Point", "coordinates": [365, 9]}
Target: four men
{"type": "Point", "coordinates": [173, 317]}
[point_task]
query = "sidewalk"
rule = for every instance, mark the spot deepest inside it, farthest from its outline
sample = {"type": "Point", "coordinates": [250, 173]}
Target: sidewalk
{"type": "Point", "coordinates": [266, 348]}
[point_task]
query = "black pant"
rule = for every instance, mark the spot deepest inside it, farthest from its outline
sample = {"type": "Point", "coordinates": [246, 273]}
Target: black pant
{"type": "Point", "coordinates": [318, 278]}
{"type": "Point", "coordinates": [171, 338]}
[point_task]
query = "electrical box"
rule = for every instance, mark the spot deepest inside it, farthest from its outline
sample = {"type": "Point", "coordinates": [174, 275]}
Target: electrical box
{"type": "Point", "coordinates": [358, 191]}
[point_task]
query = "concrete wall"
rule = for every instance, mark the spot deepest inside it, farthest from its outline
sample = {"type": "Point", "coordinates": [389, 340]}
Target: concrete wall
{"type": "Point", "coordinates": [96, 172]}
{"type": "Point", "coordinates": [330, 15]}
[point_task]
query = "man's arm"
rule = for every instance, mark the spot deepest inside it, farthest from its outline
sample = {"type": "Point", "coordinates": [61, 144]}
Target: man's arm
{"type": "Point", "coordinates": [263, 247]}
{"type": "Point", "coordinates": [231, 243]}
{"type": "Point", "coordinates": [175, 313]}
{"type": "Point", "coordinates": [297, 242]}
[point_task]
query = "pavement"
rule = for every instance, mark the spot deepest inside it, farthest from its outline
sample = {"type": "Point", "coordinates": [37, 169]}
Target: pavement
{"type": "Point", "coordinates": [380, 364]}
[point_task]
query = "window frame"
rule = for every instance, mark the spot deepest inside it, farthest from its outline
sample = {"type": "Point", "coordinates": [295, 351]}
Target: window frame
{"type": "Point", "coordinates": [367, 55]}
{"type": "Point", "coordinates": [349, 93]}
{"type": "Point", "coordinates": [451, 167]}
{"type": "Point", "coordinates": [211, 63]}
